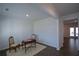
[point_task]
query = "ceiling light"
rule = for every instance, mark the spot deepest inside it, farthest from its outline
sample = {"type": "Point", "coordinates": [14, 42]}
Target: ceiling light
{"type": "Point", "coordinates": [27, 15]}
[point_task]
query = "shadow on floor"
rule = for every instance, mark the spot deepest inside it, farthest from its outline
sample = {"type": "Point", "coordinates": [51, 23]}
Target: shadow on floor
{"type": "Point", "coordinates": [3, 53]}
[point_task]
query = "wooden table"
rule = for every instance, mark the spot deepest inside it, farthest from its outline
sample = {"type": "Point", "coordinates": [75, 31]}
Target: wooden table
{"type": "Point", "coordinates": [32, 42]}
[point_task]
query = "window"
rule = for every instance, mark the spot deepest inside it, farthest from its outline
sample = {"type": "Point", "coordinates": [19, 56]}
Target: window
{"type": "Point", "coordinates": [72, 31]}
{"type": "Point", "coordinates": [76, 31]}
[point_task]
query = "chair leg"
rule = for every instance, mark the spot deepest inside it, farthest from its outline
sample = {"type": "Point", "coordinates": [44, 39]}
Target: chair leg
{"type": "Point", "coordinates": [18, 46]}
{"type": "Point", "coordinates": [35, 44]}
{"type": "Point", "coordinates": [25, 47]}
{"type": "Point", "coordinates": [22, 46]}
{"type": "Point", "coordinates": [9, 50]}
{"type": "Point", "coordinates": [15, 49]}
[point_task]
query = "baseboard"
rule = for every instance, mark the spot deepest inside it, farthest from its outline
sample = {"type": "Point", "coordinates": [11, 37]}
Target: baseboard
{"type": "Point", "coordinates": [42, 44]}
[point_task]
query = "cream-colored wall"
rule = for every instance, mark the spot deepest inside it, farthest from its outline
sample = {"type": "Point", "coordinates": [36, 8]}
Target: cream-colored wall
{"type": "Point", "coordinates": [47, 30]}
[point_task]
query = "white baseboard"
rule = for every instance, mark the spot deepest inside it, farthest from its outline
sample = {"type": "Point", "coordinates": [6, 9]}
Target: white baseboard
{"type": "Point", "coordinates": [3, 48]}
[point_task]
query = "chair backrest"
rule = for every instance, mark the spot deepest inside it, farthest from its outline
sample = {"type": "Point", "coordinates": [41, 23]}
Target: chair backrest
{"type": "Point", "coordinates": [11, 40]}
{"type": "Point", "coordinates": [33, 36]}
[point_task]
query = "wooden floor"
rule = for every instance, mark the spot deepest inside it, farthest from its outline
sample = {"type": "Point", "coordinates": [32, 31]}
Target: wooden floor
{"type": "Point", "coordinates": [70, 49]}
{"type": "Point", "coordinates": [49, 51]}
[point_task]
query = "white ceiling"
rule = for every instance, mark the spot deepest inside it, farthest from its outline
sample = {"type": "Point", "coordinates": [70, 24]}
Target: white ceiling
{"type": "Point", "coordinates": [64, 9]}
{"type": "Point", "coordinates": [38, 11]}
{"type": "Point", "coordinates": [35, 11]}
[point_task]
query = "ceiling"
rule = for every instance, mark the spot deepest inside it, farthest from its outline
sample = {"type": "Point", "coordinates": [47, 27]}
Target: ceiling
{"type": "Point", "coordinates": [66, 8]}
{"type": "Point", "coordinates": [37, 11]}
{"type": "Point", "coordinates": [19, 10]}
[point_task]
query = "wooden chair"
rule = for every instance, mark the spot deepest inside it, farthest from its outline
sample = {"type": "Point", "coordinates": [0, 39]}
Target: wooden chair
{"type": "Point", "coordinates": [12, 44]}
{"type": "Point", "coordinates": [34, 37]}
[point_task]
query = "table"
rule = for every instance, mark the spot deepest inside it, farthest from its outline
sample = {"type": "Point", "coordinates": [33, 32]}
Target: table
{"type": "Point", "coordinates": [32, 42]}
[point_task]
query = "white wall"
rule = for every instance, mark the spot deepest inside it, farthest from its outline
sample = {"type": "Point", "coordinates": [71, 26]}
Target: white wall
{"type": "Point", "coordinates": [61, 32]}
{"type": "Point", "coordinates": [14, 22]}
{"type": "Point", "coordinates": [47, 30]}
{"type": "Point", "coordinates": [19, 28]}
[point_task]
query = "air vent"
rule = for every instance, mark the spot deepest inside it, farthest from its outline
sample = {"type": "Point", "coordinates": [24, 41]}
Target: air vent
{"type": "Point", "coordinates": [6, 9]}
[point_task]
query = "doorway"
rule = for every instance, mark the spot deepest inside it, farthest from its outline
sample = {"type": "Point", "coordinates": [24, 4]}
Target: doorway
{"type": "Point", "coordinates": [70, 36]}
{"type": "Point", "coordinates": [71, 28]}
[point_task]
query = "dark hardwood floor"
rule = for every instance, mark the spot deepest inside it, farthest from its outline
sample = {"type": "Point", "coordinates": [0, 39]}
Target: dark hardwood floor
{"type": "Point", "coordinates": [49, 51]}
{"type": "Point", "coordinates": [3, 53]}
{"type": "Point", "coordinates": [70, 49]}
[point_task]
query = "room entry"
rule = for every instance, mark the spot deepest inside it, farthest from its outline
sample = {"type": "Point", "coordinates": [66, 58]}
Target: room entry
{"type": "Point", "coordinates": [71, 35]}
{"type": "Point", "coordinates": [71, 28]}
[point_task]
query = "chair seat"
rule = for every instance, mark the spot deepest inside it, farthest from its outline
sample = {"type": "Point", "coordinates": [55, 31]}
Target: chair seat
{"type": "Point", "coordinates": [13, 45]}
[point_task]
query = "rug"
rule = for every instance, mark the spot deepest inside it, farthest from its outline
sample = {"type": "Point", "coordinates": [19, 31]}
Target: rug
{"type": "Point", "coordinates": [29, 52]}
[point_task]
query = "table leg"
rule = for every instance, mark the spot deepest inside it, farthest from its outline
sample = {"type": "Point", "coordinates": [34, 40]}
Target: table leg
{"type": "Point", "coordinates": [25, 47]}
{"type": "Point", "coordinates": [15, 49]}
